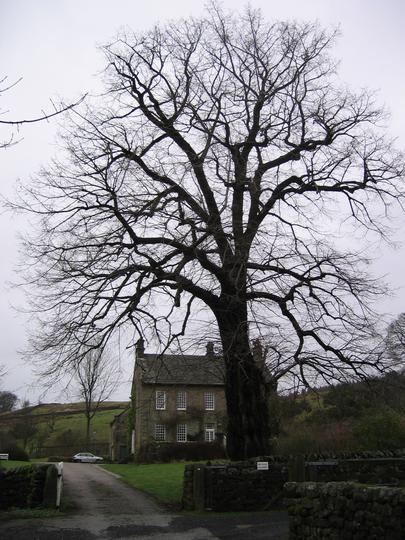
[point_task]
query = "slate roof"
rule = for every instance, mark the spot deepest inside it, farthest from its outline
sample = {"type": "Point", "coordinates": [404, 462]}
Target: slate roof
{"type": "Point", "coordinates": [181, 369]}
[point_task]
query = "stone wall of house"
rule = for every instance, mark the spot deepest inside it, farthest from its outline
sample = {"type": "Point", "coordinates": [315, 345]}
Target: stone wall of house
{"type": "Point", "coordinates": [194, 416]}
{"type": "Point", "coordinates": [119, 437]}
{"type": "Point", "coordinates": [345, 511]}
{"type": "Point", "coordinates": [186, 451]}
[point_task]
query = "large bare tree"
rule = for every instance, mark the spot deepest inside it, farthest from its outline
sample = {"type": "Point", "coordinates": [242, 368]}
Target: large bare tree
{"type": "Point", "coordinates": [15, 124]}
{"type": "Point", "coordinates": [211, 175]}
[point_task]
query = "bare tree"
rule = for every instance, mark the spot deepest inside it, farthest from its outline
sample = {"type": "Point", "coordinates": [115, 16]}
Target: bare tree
{"type": "Point", "coordinates": [97, 378]}
{"type": "Point", "coordinates": [3, 372]}
{"type": "Point", "coordinates": [57, 109]}
{"type": "Point", "coordinates": [205, 187]}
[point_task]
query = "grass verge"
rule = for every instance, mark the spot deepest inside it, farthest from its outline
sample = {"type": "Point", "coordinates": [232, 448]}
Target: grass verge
{"type": "Point", "coordinates": [28, 513]}
{"type": "Point", "coordinates": [162, 480]}
{"type": "Point", "coordinates": [11, 464]}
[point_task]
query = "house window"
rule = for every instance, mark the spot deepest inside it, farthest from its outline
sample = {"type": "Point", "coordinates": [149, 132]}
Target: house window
{"type": "Point", "coordinates": [209, 432]}
{"type": "Point", "coordinates": [160, 400]}
{"type": "Point", "coordinates": [181, 432]}
{"type": "Point", "coordinates": [160, 432]}
{"type": "Point", "coordinates": [209, 401]}
{"type": "Point", "coordinates": [181, 401]}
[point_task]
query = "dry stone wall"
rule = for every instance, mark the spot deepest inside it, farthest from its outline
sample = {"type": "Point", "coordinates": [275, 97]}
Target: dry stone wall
{"type": "Point", "coordinates": [232, 487]}
{"type": "Point", "coordinates": [23, 487]}
{"type": "Point", "coordinates": [240, 486]}
{"type": "Point", "coordinates": [344, 511]}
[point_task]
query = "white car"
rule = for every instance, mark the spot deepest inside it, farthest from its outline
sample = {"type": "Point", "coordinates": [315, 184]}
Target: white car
{"type": "Point", "coordinates": [86, 457]}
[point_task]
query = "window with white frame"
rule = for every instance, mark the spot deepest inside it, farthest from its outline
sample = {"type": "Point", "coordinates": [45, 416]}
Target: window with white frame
{"type": "Point", "coordinates": [209, 432]}
{"type": "Point", "coordinates": [181, 401]}
{"type": "Point", "coordinates": [181, 433]}
{"type": "Point", "coordinates": [209, 401]}
{"type": "Point", "coordinates": [160, 400]}
{"type": "Point", "coordinates": [160, 432]}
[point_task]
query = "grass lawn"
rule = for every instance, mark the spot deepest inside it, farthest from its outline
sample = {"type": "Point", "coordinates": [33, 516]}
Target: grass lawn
{"type": "Point", "coordinates": [162, 480]}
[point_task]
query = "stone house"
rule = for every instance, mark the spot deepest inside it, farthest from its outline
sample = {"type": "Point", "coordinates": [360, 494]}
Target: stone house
{"type": "Point", "coordinates": [178, 398]}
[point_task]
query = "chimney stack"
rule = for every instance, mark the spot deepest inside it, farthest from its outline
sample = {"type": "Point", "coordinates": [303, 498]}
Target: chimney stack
{"type": "Point", "coordinates": [258, 352]}
{"type": "Point", "coordinates": [210, 349]}
{"type": "Point", "coordinates": [140, 347]}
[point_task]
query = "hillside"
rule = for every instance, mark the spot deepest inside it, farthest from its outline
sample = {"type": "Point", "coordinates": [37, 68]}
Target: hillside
{"type": "Point", "coordinates": [58, 428]}
{"type": "Point", "coordinates": [57, 409]}
{"type": "Point", "coordinates": [368, 415]}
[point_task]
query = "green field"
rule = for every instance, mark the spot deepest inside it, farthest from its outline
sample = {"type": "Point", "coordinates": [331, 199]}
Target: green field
{"type": "Point", "coordinates": [59, 426]}
{"type": "Point", "coordinates": [100, 425]}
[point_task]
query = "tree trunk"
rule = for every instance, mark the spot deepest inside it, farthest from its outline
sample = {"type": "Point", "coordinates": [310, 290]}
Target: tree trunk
{"type": "Point", "coordinates": [246, 388]}
{"type": "Point", "coordinates": [88, 422]}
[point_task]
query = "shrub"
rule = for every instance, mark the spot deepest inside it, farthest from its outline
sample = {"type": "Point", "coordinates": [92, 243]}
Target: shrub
{"type": "Point", "coordinates": [15, 452]}
{"type": "Point", "coordinates": [298, 442]}
{"type": "Point", "coordinates": [127, 459]}
{"type": "Point", "coordinates": [69, 437]}
{"type": "Point", "coordinates": [381, 430]}
{"type": "Point", "coordinates": [312, 439]}
{"type": "Point", "coordinates": [6, 438]}
{"type": "Point", "coordinates": [291, 406]}
{"type": "Point", "coordinates": [58, 459]}
{"type": "Point", "coordinates": [193, 451]}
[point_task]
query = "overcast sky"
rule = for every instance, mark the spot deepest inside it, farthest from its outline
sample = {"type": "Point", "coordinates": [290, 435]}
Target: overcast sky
{"type": "Point", "coordinates": [53, 46]}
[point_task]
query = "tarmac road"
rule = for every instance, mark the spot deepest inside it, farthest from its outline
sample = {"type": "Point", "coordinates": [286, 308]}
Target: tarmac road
{"type": "Point", "coordinates": [106, 509]}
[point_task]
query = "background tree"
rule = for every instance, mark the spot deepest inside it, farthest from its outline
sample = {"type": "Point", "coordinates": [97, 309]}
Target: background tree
{"type": "Point", "coordinates": [24, 430]}
{"type": "Point", "coordinates": [396, 340]}
{"type": "Point", "coordinates": [8, 401]}
{"type": "Point", "coordinates": [25, 403]}
{"type": "Point", "coordinates": [383, 429]}
{"type": "Point", "coordinates": [204, 187]}
{"type": "Point", "coordinates": [97, 378]}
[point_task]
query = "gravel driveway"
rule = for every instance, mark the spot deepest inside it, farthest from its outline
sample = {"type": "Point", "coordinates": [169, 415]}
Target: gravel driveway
{"type": "Point", "coordinates": [106, 508]}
